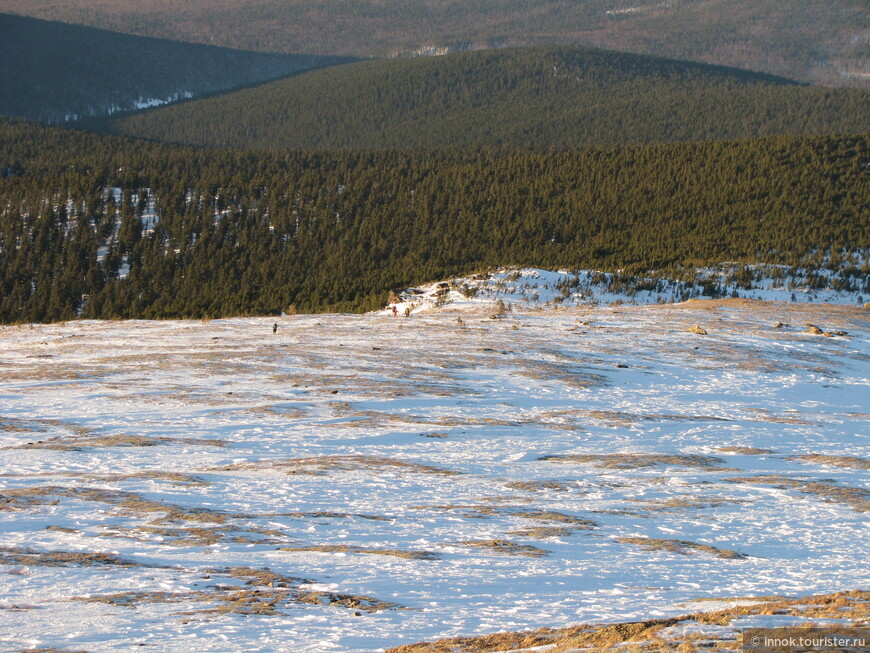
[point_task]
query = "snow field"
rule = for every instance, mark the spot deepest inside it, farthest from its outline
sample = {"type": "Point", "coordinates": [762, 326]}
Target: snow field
{"type": "Point", "coordinates": [479, 475]}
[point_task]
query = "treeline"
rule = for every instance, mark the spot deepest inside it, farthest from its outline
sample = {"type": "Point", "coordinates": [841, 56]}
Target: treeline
{"type": "Point", "coordinates": [105, 227]}
{"type": "Point", "coordinates": [525, 97]}
{"type": "Point", "coordinates": [55, 72]}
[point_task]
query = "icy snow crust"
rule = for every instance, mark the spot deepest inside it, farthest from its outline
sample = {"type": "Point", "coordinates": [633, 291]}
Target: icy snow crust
{"type": "Point", "coordinates": [431, 435]}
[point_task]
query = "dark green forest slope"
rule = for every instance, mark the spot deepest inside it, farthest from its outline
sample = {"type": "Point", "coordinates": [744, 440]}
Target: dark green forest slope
{"type": "Point", "coordinates": [819, 41]}
{"type": "Point", "coordinates": [242, 232]}
{"type": "Point", "coordinates": [530, 97]}
{"type": "Point", "coordinates": [54, 72]}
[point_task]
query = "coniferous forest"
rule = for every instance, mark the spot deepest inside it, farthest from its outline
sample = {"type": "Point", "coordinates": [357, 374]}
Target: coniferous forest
{"type": "Point", "coordinates": [108, 227]}
{"type": "Point", "coordinates": [538, 97]}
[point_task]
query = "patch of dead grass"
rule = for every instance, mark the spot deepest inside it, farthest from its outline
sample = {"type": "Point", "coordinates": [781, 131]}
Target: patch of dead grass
{"type": "Point", "coordinates": [639, 460]}
{"type": "Point", "coordinates": [52, 650]}
{"type": "Point", "coordinates": [850, 462]}
{"type": "Point", "coordinates": [856, 498]}
{"type": "Point", "coordinates": [484, 511]}
{"type": "Point", "coordinates": [681, 503]}
{"type": "Point", "coordinates": [264, 593]}
{"type": "Point", "coordinates": [506, 547]}
{"type": "Point", "coordinates": [542, 532]}
{"type": "Point", "coordinates": [519, 641]}
{"type": "Point", "coordinates": [117, 440]}
{"type": "Point", "coordinates": [325, 514]}
{"type": "Point", "coordinates": [539, 486]}
{"type": "Point", "coordinates": [19, 425]}
{"type": "Point", "coordinates": [347, 548]}
{"type": "Point", "coordinates": [319, 465]}
{"type": "Point", "coordinates": [28, 425]}
{"type": "Point", "coordinates": [746, 451]}
{"type": "Point", "coordinates": [571, 375]}
{"type": "Point", "coordinates": [28, 498]}
{"type": "Point", "coordinates": [194, 536]}
{"type": "Point", "coordinates": [170, 477]}
{"type": "Point", "coordinates": [765, 415]}
{"type": "Point", "coordinates": [278, 410]}
{"type": "Point", "coordinates": [350, 601]}
{"type": "Point", "coordinates": [655, 634]}
{"type": "Point", "coordinates": [552, 516]}
{"type": "Point", "coordinates": [30, 557]}
{"type": "Point", "coordinates": [619, 418]}
{"type": "Point", "coordinates": [683, 547]}
{"type": "Point", "coordinates": [17, 607]}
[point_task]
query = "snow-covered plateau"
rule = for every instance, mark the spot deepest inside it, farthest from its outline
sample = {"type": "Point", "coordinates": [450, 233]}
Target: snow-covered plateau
{"type": "Point", "coordinates": [355, 482]}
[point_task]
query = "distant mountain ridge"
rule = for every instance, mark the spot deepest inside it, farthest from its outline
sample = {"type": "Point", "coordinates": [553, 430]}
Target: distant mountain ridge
{"type": "Point", "coordinates": [528, 97]}
{"type": "Point", "coordinates": [816, 41]}
{"type": "Point", "coordinates": [54, 72]}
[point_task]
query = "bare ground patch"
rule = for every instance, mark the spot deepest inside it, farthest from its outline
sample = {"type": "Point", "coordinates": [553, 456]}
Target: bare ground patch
{"type": "Point", "coordinates": [683, 547]}
{"type": "Point", "coordinates": [856, 498]}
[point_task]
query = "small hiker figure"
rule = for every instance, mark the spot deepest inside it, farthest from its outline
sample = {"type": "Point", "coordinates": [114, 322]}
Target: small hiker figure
{"type": "Point", "coordinates": [408, 311]}
{"type": "Point", "coordinates": [395, 311]}
{"type": "Point", "coordinates": [275, 328]}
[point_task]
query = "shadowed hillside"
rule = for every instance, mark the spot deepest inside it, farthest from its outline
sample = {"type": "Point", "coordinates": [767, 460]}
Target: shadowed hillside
{"type": "Point", "coordinates": [54, 72]}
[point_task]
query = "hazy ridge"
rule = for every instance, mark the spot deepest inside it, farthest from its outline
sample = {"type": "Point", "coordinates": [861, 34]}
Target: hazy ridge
{"type": "Point", "coordinates": [819, 41]}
